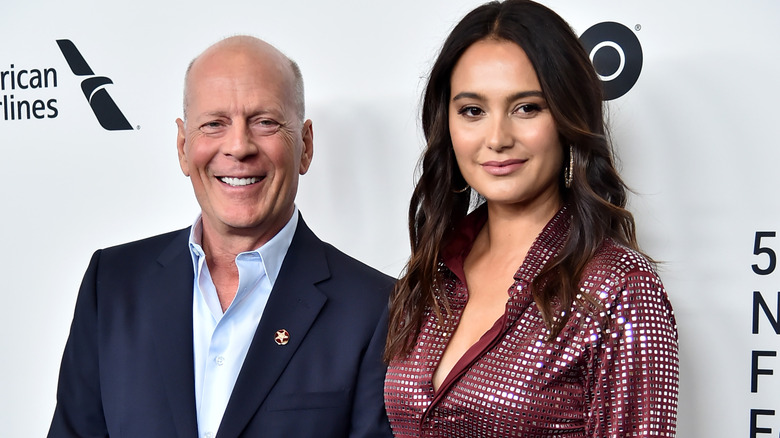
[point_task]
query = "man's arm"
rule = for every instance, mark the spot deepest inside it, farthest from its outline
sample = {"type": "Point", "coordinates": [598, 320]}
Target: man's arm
{"type": "Point", "coordinates": [369, 418]}
{"type": "Point", "coordinates": [79, 411]}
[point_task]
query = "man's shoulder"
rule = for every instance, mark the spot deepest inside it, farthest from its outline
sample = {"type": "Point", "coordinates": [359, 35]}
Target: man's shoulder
{"type": "Point", "coordinates": [353, 286]}
{"type": "Point", "coordinates": [340, 264]}
{"type": "Point", "coordinates": [153, 245]}
{"type": "Point", "coordinates": [343, 263]}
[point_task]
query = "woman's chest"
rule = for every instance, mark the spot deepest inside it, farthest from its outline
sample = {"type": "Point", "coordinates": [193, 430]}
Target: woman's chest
{"type": "Point", "coordinates": [517, 383]}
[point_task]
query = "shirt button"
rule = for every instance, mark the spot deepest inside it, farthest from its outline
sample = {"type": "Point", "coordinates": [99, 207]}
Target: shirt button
{"type": "Point", "coordinates": [208, 435]}
{"type": "Point", "coordinates": [220, 361]}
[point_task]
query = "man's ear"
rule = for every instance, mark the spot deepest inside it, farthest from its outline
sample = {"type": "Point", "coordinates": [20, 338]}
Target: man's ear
{"type": "Point", "coordinates": [307, 134]}
{"type": "Point", "coordinates": [180, 140]}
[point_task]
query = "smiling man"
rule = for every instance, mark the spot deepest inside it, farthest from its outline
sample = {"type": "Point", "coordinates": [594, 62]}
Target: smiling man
{"type": "Point", "coordinates": [245, 324]}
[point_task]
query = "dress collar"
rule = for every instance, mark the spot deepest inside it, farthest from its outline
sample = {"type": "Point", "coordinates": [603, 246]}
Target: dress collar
{"type": "Point", "coordinates": [546, 246]}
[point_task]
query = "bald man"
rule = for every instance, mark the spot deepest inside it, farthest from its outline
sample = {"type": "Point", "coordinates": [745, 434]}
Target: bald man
{"type": "Point", "coordinates": [244, 324]}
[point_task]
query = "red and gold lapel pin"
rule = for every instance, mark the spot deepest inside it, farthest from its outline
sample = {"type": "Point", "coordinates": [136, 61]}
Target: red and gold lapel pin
{"type": "Point", "coordinates": [282, 337]}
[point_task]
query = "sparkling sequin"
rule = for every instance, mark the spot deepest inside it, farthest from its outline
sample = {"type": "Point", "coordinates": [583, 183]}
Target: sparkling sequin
{"type": "Point", "coordinates": [612, 371]}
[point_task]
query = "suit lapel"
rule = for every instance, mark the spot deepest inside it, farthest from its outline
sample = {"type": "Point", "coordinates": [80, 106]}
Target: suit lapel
{"type": "Point", "coordinates": [172, 319]}
{"type": "Point", "coordinates": [293, 305]}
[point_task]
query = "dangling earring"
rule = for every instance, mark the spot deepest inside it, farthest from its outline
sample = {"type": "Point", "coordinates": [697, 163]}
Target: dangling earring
{"type": "Point", "coordinates": [568, 172]}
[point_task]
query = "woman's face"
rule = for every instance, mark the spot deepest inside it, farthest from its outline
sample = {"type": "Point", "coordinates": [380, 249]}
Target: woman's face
{"type": "Point", "coordinates": [504, 137]}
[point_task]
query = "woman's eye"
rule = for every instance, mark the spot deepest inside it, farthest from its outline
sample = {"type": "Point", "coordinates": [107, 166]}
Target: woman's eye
{"type": "Point", "coordinates": [528, 108]}
{"type": "Point", "coordinates": [471, 111]}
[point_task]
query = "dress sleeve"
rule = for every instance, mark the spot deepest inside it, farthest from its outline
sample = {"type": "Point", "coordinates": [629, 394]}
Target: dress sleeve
{"type": "Point", "coordinates": [633, 381]}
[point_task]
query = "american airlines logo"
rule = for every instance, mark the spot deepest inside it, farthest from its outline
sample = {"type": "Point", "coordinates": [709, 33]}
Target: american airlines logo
{"type": "Point", "coordinates": [107, 112]}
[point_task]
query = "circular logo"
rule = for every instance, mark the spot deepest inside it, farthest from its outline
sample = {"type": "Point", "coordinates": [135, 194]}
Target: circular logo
{"type": "Point", "coordinates": [616, 55]}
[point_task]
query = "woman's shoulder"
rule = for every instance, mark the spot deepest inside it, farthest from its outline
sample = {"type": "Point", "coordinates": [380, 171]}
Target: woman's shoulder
{"type": "Point", "coordinates": [623, 295]}
{"type": "Point", "coordinates": [620, 258]}
{"type": "Point", "coordinates": [618, 270]}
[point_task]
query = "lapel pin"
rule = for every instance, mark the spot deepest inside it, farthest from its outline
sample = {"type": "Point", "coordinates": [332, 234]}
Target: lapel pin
{"type": "Point", "coordinates": [282, 337]}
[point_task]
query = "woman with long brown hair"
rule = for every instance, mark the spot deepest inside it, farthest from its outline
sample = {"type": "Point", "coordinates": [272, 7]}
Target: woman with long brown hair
{"type": "Point", "coordinates": [526, 308]}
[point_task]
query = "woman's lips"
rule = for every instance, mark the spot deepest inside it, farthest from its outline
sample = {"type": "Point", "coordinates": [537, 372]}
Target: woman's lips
{"type": "Point", "coordinates": [501, 168]}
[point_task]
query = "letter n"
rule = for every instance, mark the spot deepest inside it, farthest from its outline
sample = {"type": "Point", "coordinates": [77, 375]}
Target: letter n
{"type": "Point", "coordinates": [758, 302]}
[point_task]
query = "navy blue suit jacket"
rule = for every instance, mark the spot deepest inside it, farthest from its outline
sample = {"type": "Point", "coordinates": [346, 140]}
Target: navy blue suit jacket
{"type": "Point", "coordinates": [127, 369]}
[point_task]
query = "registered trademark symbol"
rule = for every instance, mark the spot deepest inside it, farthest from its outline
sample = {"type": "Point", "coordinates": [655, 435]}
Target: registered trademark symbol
{"type": "Point", "coordinates": [138, 127]}
{"type": "Point", "coordinates": [638, 27]}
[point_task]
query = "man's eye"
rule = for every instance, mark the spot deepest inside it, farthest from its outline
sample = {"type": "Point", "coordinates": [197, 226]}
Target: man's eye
{"type": "Point", "coordinates": [211, 127]}
{"type": "Point", "coordinates": [266, 126]}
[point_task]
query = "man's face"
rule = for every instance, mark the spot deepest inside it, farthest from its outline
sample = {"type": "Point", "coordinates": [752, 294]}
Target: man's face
{"type": "Point", "coordinates": [243, 145]}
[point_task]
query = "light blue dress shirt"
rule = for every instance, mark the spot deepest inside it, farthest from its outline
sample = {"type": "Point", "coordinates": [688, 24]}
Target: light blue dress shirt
{"type": "Point", "coordinates": [221, 340]}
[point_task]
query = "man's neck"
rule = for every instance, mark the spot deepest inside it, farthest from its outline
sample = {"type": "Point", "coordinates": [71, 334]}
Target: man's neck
{"type": "Point", "coordinates": [222, 246]}
{"type": "Point", "coordinates": [226, 242]}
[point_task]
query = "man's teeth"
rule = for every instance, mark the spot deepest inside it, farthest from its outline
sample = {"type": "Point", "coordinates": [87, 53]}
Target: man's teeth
{"type": "Point", "coordinates": [239, 181]}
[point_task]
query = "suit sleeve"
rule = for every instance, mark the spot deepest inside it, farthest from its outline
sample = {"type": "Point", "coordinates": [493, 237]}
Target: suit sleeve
{"type": "Point", "coordinates": [79, 411]}
{"type": "Point", "coordinates": [369, 418]}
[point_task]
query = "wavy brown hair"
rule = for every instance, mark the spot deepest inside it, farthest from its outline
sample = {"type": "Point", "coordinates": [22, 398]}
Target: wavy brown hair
{"type": "Point", "coordinates": [596, 198]}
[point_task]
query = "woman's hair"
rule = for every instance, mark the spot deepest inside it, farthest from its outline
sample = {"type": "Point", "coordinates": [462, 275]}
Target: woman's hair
{"type": "Point", "coordinates": [597, 195]}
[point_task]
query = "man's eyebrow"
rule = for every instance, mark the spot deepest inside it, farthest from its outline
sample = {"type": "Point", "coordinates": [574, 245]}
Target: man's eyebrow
{"type": "Point", "coordinates": [216, 113]}
{"type": "Point", "coordinates": [228, 113]}
{"type": "Point", "coordinates": [518, 95]}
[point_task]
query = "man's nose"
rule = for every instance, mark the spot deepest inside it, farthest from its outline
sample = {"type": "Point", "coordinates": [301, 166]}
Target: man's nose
{"type": "Point", "coordinates": [240, 143]}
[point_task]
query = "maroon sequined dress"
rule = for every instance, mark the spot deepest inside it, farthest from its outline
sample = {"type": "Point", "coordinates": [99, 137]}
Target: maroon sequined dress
{"type": "Point", "coordinates": [612, 371]}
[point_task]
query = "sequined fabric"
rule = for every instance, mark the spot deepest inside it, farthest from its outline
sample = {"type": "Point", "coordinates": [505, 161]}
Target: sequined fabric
{"type": "Point", "coordinates": [612, 371]}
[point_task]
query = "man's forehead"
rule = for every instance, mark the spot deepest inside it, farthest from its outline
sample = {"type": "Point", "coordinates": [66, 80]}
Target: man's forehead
{"type": "Point", "coordinates": [240, 97]}
{"type": "Point", "coordinates": [243, 84]}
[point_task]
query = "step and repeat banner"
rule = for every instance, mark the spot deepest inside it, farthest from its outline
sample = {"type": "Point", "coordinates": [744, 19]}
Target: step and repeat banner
{"type": "Point", "coordinates": [89, 92]}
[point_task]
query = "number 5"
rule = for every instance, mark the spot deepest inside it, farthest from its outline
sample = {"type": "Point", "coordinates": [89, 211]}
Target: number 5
{"type": "Point", "coordinates": [758, 249]}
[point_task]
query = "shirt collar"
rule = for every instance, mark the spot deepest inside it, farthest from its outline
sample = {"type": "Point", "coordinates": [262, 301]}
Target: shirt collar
{"type": "Point", "coordinates": [272, 253]}
{"type": "Point", "coordinates": [546, 246]}
{"type": "Point", "coordinates": [459, 245]}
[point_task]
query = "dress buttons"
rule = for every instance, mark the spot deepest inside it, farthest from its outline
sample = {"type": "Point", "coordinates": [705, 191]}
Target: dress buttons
{"type": "Point", "coordinates": [220, 360]}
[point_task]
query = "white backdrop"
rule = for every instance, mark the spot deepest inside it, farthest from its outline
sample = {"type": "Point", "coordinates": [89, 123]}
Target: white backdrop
{"type": "Point", "coordinates": [695, 137]}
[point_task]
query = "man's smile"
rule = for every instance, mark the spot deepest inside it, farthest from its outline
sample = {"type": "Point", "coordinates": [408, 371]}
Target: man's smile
{"type": "Point", "coordinates": [238, 182]}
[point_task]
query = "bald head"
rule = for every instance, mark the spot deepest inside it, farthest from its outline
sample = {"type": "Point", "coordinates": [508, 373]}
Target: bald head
{"type": "Point", "coordinates": [251, 48]}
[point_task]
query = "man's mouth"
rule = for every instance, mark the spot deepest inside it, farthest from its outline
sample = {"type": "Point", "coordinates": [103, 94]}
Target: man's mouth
{"type": "Point", "coordinates": [239, 182]}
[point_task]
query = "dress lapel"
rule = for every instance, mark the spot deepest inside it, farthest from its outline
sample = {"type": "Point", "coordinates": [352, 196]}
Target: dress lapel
{"type": "Point", "coordinates": [293, 305]}
{"type": "Point", "coordinates": [172, 319]}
